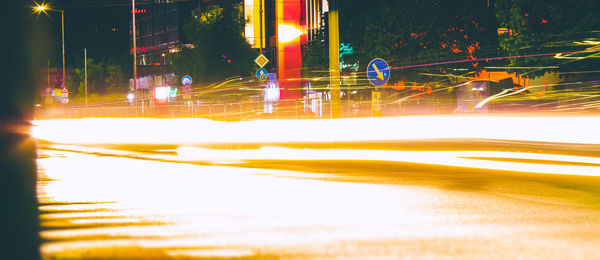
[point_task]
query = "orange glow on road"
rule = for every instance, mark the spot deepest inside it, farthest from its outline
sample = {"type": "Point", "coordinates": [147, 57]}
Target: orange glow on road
{"type": "Point", "coordinates": [194, 207]}
{"type": "Point", "coordinates": [96, 204]}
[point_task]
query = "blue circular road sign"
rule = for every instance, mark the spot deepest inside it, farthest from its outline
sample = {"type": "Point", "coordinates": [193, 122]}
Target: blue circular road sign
{"type": "Point", "coordinates": [378, 72]}
{"type": "Point", "coordinates": [262, 74]}
{"type": "Point", "coordinates": [186, 80]}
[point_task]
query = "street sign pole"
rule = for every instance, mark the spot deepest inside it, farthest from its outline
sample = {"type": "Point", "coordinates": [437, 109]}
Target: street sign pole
{"type": "Point", "coordinates": [378, 73]}
{"type": "Point", "coordinates": [186, 81]}
{"type": "Point", "coordinates": [262, 74]}
{"type": "Point", "coordinates": [261, 60]}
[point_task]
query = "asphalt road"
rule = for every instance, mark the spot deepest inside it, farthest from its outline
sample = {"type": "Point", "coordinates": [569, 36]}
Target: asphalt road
{"type": "Point", "coordinates": [434, 199]}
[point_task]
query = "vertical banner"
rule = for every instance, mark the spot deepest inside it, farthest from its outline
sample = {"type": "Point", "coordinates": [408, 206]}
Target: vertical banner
{"type": "Point", "coordinates": [289, 54]}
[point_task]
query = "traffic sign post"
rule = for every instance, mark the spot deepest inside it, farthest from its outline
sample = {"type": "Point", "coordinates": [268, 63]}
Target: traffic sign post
{"type": "Point", "coordinates": [186, 80]}
{"type": "Point", "coordinates": [261, 60]}
{"type": "Point", "coordinates": [378, 72]}
{"type": "Point", "coordinates": [262, 74]}
{"type": "Point", "coordinates": [376, 103]}
{"type": "Point", "coordinates": [187, 89]}
{"type": "Point", "coordinates": [65, 92]}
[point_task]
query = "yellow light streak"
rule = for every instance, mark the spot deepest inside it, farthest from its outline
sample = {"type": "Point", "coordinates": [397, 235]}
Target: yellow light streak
{"type": "Point", "coordinates": [472, 159]}
{"type": "Point", "coordinates": [445, 158]}
{"type": "Point", "coordinates": [222, 223]}
{"type": "Point", "coordinates": [219, 253]}
{"type": "Point", "coordinates": [142, 188]}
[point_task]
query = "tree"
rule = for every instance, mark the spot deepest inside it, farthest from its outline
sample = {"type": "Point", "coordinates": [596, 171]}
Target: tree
{"type": "Point", "coordinates": [219, 50]}
{"type": "Point", "coordinates": [546, 27]}
{"type": "Point", "coordinates": [104, 77]}
{"type": "Point", "coordinates": [116, 81]}
{"type": "Point", "coordinates": [415, 32]}
{"type": "Point", "coordinates": [315, 55]}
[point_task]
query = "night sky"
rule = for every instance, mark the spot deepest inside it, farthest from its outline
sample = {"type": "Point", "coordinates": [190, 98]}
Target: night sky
{"type": "Point", "coordinates": [101, 26]}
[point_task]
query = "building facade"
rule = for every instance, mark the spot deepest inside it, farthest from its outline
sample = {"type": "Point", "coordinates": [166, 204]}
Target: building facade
{"type": "Point", "coordinates": [159, 31]}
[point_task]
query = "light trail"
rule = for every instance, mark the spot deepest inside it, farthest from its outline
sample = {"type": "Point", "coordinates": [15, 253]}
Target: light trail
{"type": "Point", "coordinates": [546, 163]}
{"type": "Point", "coordinates": [501, 95]}
{"type": "Point", "coordinates": [186, 131]}
{"type": "Point", "coordinates": [443, 158]}
{"type": "Point", "coordinates": [198, 209]}
{"type": "Point", "coordinates": [186, 210]}
{"type": "Point", "coordinates": [485, 59]}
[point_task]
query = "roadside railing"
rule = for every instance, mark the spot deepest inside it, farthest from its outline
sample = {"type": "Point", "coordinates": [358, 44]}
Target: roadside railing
{"type": "Point", "coordinates": [237, 111]}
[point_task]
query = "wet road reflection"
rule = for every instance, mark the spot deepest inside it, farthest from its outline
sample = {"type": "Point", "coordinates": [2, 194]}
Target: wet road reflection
{"type": "Point", "coordinates": [114, 206]}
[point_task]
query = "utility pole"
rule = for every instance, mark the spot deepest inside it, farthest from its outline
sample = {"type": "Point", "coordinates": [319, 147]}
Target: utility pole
{"type": "Point", "coordinates": [134, 52]}
{"type": "Point", "coordinates": [62, 15]}
{"type": "Point", "coordinates": [85, 71]}
{"type": "Point", "coordinates": [44, 8]}
{"type": "Point", "coordinates": [261, 25]}
{"type": "Point", "coordinates": [334, 59]}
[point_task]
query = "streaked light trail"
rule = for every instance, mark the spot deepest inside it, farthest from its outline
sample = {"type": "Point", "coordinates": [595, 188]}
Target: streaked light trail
{"type": "Point", "coordinates": [468, 159]}
{"type": "Point", "coordinates": [583, 130]}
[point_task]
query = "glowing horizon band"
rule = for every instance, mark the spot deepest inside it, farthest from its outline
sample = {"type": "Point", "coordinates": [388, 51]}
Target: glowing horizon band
{"type": "Point", "coordinates": [582, 130]}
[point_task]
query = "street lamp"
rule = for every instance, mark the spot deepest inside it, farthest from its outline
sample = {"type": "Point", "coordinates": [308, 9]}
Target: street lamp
{"type": "Point", "coordinates": [39, 8]}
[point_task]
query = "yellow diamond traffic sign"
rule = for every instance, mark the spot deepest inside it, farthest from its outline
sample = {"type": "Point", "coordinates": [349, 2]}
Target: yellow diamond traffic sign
{"type": "Point", "coordinates": [261, 60]}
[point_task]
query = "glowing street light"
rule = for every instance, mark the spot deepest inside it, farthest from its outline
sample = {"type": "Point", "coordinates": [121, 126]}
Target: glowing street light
{"type": "Point", "coordinates": [288, 33]}
{"type": "Point", "coordinates": [39, 8]}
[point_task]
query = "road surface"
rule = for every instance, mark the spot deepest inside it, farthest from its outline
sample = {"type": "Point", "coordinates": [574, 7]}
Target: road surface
{"type": "Point", "coordinates": [426, 198]}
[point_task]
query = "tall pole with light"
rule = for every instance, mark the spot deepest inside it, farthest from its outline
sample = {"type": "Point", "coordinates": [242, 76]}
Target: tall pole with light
{"type": "Point", "coordinates": [134, 53]}
{"type": "Point", "coordinates": [39, 8]}
{"type": "Point", "coordinates": [62, 15]}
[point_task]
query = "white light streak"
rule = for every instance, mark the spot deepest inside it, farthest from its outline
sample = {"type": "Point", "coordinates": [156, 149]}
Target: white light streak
{"type": "Point", "coordinates": [445, 158]}
{"type": "Point", "coordinates": [201, 131]}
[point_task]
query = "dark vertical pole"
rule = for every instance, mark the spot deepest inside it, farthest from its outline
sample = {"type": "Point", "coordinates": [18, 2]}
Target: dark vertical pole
{"type": "Point", "coordinates": [64, 80]}
{"type": "Point", "coordinates": [134, 53]}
